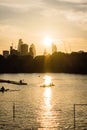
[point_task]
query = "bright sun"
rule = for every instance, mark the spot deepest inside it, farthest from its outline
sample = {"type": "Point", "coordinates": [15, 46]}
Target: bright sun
{"type": "Point", "coordinates": [47, 41]}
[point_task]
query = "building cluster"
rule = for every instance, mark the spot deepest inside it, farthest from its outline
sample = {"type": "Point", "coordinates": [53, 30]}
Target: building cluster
{"type": "Point", "coordinates": [22, 50]}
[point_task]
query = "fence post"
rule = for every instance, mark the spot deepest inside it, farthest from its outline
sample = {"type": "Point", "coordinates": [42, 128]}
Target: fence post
{"type": "Point", "coordinates": [74, 118]}
{"type": "Point", "coordinates": [13, 111]}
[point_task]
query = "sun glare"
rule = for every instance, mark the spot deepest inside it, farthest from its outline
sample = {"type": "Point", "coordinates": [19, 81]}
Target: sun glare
{"type": "Point", "coordinates": [47, 41]}
{"type": "Point", "coordinates": [47, 80]}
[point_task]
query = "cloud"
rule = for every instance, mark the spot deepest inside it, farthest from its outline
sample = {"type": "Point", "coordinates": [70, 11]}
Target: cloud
{"type": "Point", "coordinates": [41, 15]}
{"type": "Point", "coordinates": [75, 5]}
{"type": "Point", "coordinates": [74, 11]}
{"type": "Point", "coordinates": [75, 1]}
{"type": "Point", "coordinates": [18, 9]}
{"type": "Point", "coordinates": [22, 5]}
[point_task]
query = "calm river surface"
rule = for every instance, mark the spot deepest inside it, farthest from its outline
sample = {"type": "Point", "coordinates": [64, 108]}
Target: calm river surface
{"type": "Point", "coordinates": [37, 108]}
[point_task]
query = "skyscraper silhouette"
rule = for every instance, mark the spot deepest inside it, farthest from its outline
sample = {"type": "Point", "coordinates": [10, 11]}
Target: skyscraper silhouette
{"type": "Point", "coordinates": [32, 50]}
{"type": "Point", "coordinates": [19, 45]}
{"type": "Point", "coordinates": [54, 48]}
{"type": "Point", "coordinates": [24, 49]}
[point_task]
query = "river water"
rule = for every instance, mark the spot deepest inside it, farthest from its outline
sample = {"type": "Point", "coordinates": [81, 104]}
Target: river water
{"type": "Point", "coordinates": [32, 107]}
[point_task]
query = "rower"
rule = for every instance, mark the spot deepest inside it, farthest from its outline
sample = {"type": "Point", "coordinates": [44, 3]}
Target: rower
{"type": "Point", "coordinates": [20, 81]}
{"type": "Point", "coordinates": [2, 88]}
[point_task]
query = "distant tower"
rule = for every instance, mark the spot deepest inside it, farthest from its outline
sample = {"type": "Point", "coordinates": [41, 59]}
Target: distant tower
{"type": "Point", "coordinates": [32, 50]}
{"type": "Point", "coordinates": [54, 48]}
{"type": "Point", "coordinates": [19, 45]}
{"type": "Point", "coordinates": [11, 48]}
{"type": "Point", "coordinates": [24, 49]}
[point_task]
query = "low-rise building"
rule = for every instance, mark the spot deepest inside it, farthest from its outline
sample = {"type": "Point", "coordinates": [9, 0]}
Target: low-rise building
{"type": "Point", "coordinates": [5, 53]}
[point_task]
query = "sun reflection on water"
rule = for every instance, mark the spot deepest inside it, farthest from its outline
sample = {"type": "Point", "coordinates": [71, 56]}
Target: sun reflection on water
{"type": "Point", "coordinates": [47, 80]}
{"type": "Point", "coordinates": [47, 93]}
{"type": "Point", "coordinates": [47, 98]}
{"type": "Point", "coordinates": [47, 117]}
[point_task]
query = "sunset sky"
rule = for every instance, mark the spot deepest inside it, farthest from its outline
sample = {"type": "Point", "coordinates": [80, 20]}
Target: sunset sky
{"type": "Point", "coordinates": [65, 21]}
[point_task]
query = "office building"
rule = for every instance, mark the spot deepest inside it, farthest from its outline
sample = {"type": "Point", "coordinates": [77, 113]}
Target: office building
{"type": "Point", "coordinates": [32, 50]}
{"type": "Point", "coordinates": [19, 45]}
{"type": "Point", "coordinates": [24, 49]}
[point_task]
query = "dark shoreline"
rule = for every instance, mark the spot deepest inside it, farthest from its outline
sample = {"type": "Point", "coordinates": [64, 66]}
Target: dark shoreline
{"type": "Point", "coordinates": [45, 73]}
{"type": "Point", "coordinates": [58, 62]}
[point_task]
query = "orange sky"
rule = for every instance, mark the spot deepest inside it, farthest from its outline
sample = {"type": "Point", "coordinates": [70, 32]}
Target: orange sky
{"type": "Point", "coordinates": [64, 20]}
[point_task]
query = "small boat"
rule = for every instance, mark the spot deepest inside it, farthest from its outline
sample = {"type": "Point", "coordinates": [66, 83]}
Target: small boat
{"type": "Point", "coordinates": [13, 82]}
{"type": "Point", "coordinates": [18, 83]}
{"type": "Point", "coordinates": [2, 89]}
{"type": "Point", "coordinates": [49, 85]}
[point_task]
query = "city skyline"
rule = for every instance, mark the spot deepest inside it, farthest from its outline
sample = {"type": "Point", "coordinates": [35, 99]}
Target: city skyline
{"type": "Point", "coordinates": [24, 49]}
{"type": "Point", "coordinates": [65, 21]}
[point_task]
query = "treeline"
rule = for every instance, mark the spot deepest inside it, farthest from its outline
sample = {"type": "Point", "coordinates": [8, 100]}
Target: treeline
{"type": "Point", "coordinates": [75, 62]}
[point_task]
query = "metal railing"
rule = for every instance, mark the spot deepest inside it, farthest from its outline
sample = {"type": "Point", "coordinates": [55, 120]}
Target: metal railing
{"type": "Point", "coordinates": [79, 115]}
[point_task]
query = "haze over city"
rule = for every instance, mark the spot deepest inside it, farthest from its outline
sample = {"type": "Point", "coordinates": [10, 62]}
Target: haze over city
{"type": "Point", "coordinates": [61, 21]}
